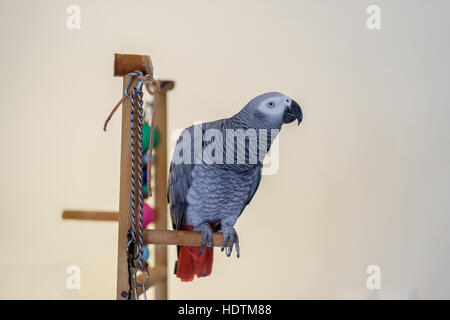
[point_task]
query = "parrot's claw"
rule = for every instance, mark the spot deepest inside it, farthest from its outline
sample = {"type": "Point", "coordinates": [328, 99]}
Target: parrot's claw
{"type": "Point", "coordinates": [207, 236]}
{"type": "Point", "coordinates": [231, 238]}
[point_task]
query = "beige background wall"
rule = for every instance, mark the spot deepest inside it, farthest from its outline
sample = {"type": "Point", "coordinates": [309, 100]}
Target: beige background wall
{"type": "Point", "coordinates": [364, 179]}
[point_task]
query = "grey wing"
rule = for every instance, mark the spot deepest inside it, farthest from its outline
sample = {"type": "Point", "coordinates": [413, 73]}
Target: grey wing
{"type": "Point", "coordinates": [256, 177]}
{"type": "Point", "coordinates": [180, 180]}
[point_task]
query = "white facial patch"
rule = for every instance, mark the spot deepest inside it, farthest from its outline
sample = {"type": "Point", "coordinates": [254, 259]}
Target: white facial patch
{"type": "Point", "coordinates": [272, 108]}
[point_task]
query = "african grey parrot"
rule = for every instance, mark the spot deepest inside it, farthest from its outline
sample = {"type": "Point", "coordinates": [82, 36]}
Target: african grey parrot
{"type": "Point", "coordinates": [215, 172]}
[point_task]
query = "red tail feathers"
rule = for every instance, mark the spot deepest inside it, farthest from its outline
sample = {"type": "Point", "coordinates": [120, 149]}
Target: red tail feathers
{"type": "Point", "coordinates": [191, 262]}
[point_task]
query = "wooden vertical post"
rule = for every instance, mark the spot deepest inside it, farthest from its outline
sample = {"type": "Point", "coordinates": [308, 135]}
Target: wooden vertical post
{"type": "Point", "coordinates": [125, 178]}
{"type": "Point", "coordinates": [161, 184]}
{"type": "Point", "coordinates": [124, 64]}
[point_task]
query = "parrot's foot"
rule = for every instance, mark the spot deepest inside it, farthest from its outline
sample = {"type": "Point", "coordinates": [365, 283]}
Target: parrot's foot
{"type": "Point", "coordinates": [207, 236]}
{"type": "Point", "coordinates": [229, 236]}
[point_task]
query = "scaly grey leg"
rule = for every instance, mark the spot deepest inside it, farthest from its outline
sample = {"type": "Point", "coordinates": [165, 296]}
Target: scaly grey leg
{"type": "Point", "coordinates": [207, 235]}
{"type": "Point", "coordinates": [229, 234]}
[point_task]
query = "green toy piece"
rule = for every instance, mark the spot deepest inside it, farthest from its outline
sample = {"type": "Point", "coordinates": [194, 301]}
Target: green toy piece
{"type": "Point", "coordinates": [146, 137]}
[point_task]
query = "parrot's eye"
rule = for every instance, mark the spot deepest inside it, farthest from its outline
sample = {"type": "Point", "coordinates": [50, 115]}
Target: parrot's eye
{"type": "Point", "coordinates": [270, 104]}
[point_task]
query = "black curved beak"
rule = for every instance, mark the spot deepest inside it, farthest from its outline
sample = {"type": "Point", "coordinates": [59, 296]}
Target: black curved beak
{"type": "Point", "coordinates": [293, 112]}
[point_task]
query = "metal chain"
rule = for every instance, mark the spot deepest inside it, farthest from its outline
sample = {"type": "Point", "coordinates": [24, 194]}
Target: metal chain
{"type": "Point", "coordinates": [135, 248]}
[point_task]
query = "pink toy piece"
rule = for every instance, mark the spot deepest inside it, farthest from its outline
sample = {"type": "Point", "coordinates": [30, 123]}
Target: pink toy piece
{"type": "Point", "coordinates": [149, 214]}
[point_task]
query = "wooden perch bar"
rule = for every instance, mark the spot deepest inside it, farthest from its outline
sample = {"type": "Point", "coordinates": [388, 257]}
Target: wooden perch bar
{"type": "Point", "coordinates": [90, 215]}
{"type": "Point", "coordinates": [180, 238]}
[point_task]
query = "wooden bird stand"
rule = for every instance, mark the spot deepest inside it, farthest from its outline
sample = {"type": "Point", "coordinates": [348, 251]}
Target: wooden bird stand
{"type": "Point", "coordinates": [160, 237]}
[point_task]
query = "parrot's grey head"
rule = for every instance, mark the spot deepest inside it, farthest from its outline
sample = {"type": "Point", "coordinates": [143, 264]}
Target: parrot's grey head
{"type": "Point", "coordinates": [272, 110]}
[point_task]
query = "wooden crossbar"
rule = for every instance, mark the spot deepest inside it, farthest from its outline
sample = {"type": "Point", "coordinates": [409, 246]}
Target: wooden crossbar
{"type": "Point", "coordinates": [151, 236]}
{"type": "Point", "coordinates": [179, 238]}
{"type": "Point", "coordinates": [90, 215]}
